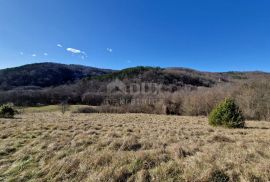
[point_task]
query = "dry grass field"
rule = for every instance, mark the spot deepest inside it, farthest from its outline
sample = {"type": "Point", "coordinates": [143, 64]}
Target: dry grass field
{"type": "Point", "coordinates": [49, 146]}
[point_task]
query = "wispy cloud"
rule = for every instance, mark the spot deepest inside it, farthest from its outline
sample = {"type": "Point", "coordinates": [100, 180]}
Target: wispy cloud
{"type": "Point", "coordinates": [109, 50]}
{"type": "Point", "coordinates": [21, 53]}
{"type": "Point", "coordinates": [79, 52]}
{"type": "Point", "coordinates": [34, 55]}
{"type": "Point", "coordinates": [82, 54]}
{"type": "Point", "coordinates": [74, 51]}
{"type": "Point", "coordinates": [45, 54]}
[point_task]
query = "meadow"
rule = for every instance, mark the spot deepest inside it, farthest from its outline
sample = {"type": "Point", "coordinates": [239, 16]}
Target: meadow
{"type": "Point", "coordinates": [51, 146]}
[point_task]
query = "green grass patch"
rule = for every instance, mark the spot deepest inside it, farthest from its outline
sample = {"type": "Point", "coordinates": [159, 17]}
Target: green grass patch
{"type": "Point", "coordinates": [49, 108]}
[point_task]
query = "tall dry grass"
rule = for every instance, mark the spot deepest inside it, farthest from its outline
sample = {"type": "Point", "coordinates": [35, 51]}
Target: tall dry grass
{"type": "Point", "coordinates": [130, 147]}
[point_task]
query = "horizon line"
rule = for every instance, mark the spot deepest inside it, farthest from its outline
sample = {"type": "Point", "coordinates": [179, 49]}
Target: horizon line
{"type": "Point", "coordinates": [169, 67]}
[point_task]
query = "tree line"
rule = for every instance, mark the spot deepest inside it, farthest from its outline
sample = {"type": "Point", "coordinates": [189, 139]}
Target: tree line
{"type": "Point", "coordinates": [253, 97]}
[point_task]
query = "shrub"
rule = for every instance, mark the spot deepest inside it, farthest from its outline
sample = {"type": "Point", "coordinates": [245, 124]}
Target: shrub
{"type": "Point", "coordinates": [64, 107]}
{"type": "Point", "coordinates": [227, 114]}
{"type": "Point", "coordinates": [7, 111]}
{"type": "Point", "coordinates": [173, 105]}
{"type": "Point", "coordinates": [86, 110]}
{"type": "Point", "coordinates": [218, 176]}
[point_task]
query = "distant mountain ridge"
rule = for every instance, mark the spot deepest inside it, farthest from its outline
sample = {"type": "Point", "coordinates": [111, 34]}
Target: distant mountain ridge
{"type": "Point", "coordinates": [48, 74]}
{"type": "Point", "coordinates": [178, 77]}
{"type": "Point", "coordinates": [45, 75]}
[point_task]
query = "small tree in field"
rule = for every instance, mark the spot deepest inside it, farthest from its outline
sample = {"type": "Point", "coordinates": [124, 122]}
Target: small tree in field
{"type": "Point", "coordinates": [7, 111]}
{"type": "Point", "coordinates": [64, 107]}
{"type": "Point", "coordinates": [227, 114]}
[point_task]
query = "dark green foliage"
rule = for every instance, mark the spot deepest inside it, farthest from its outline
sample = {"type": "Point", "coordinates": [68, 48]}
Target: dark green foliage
{"type": "Point", "coordinates": [227, 114]}
{"type": "Point", "coordinates": [218, 176]}
{"type": "Point", "coordinates": [7, 111]}
{"type": "Point", "coordinates": [86, 109]}
{"type": "Point", "coordinates": [157, 75]}
{"type": "Point", "coordinates": [126, 73]}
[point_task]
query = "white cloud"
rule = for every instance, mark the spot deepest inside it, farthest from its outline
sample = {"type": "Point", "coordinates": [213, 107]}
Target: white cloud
{"type": "Point", "coordinates": [77, 51]}
{"type": "Point", "coordinates": [109, 50]}
{"type": "Point", "coordinates": [74, 51]}
{"type": "Point", "coordinates": [45, 54]}
{"type": "Point", "coordinates": [34, 55]}
{"type": "Point", "coordinates": [81, 53]}
{"type": "Point", "coordinates": [21, 53]}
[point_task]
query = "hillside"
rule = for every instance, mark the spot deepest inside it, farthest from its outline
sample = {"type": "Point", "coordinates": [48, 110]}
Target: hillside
{"type": "Point", "coordinates": [179, 76]}
{"type": "Point", "coordinates": [45, 75]}
{"type": "Point", "coordinates": [41, 75]}
{"type": "Point", "coordinates": [158, 75]}
{"type": "Point", "coordinates": [178, 91]}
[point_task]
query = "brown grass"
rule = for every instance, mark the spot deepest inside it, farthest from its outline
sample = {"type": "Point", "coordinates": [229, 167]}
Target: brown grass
{"type": "Point", "coordinates": [130, 147]}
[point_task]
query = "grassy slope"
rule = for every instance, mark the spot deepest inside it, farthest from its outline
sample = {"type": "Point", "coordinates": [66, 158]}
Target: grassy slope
{"type": "Point", "coordinates": [50, 108]}
{"type": "Point", "coordinates": [101, 147]}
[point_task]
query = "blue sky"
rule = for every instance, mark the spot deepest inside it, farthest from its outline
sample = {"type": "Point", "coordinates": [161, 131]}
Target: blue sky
{"type": "Point", "coordinates": [210, 35]}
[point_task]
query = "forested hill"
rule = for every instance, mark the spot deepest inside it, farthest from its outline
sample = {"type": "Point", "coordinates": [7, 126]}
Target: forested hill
{"type": "Point", "coordinates": [179, 76]}
{"type": "Point", "coordinates": [45, 75]}
{"type": "Point", "coordinates": [41, 75]}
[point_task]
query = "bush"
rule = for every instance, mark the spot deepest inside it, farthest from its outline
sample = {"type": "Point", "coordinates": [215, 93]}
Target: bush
{"type": "Point", "coordinates": [218, 176]}
{"type": "Point", "coordinates": [227, 114]}
{"type": "Point", "coordinates": [173, 108]}
{"type": "Point", "coordinates": [7, 111]}
{"type": "Point", "coordinates": [86, 110]}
